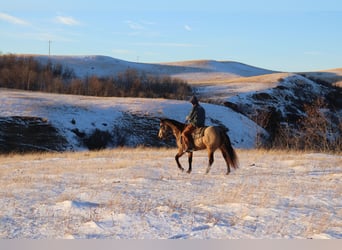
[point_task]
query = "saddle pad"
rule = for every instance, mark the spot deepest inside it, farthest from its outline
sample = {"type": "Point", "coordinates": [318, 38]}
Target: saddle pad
{"type": "Point", "coordinates": [198, 132]}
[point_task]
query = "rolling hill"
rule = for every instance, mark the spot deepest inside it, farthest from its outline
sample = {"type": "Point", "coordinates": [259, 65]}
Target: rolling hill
{"type": "Point", "coordinates": [199, 71]}
{"type": "Point", "coordinates": [235, 95]}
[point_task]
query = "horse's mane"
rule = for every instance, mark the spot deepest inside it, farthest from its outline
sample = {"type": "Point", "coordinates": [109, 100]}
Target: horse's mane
{"type": "Point", "coordinates": [178, 124]}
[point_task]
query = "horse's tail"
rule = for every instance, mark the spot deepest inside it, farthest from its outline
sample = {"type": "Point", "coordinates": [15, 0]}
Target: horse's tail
{"type": "Point", "coordinates": [232, 159]}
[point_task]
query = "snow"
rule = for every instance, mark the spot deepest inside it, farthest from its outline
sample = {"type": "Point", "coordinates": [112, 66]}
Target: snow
{"type": "Point", "coordinates": [192, 71]}
{"type": "Point", "coordinates": [141, 194]}
{"type": "Point", "coordinates": [90, 65]}
{"type": "Point", "coordinates": [89, 113]}
{"type": "Point", "coordinates": [284, 98]}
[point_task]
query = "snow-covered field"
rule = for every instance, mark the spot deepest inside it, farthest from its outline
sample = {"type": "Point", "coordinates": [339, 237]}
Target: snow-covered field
{"type": "Point", "coordinates": [140, 194]}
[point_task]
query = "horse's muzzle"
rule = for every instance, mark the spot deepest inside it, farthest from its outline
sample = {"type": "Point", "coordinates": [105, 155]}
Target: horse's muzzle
{"type": "Point", "coordinates": [161, 135]}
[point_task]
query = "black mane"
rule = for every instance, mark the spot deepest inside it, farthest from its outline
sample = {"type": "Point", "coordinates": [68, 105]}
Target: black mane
{"type": "Point", "coordinates": [178, 124]}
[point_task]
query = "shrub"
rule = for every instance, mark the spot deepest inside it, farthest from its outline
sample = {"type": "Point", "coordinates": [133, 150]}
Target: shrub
{"type": "Point", "coordinates": [313, 131]}
{"type": "Point", "coordinates": [317, 132]}
{"type": "Point", "coordinates": [28, 74]}
{"type": "Point", "coordinates": [98, 140]}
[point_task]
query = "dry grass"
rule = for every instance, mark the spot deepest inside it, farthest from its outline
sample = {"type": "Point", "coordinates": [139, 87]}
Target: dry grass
{"type": "Point", "coordinates": [338, 84]}
{"type": "Point", "coordinates": [270, 80]}
{"type": "Point", "coordinates": [276, 192]}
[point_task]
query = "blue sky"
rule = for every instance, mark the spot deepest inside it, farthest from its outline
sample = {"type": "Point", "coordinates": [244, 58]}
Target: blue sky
{"type": "Point", "coordinates": [290, 35]}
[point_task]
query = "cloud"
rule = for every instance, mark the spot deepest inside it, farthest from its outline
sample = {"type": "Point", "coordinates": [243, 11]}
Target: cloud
{"type": "Point", "coordinates": [141, 28]}
{"type": "Point", "coordinates": [138, 26]}
{"type": "Point", "coordinates": [67, 20]}
{"type": "Point", "coordinates": [135, 25]}
{"type": "Point", "coordinates": [187, 27]}
{"type": "Point", "coordinates": [12, 19]}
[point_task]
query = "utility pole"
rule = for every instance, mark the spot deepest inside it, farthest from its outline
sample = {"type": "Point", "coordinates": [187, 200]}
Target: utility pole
{"type": "Point", "coordinates": [50, 47]}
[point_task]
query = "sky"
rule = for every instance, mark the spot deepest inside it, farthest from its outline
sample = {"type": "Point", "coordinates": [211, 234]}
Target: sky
{"type": "Point", "coordinates": [289, 35]}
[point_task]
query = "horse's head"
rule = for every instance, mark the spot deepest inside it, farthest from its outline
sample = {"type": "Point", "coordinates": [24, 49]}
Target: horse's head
{"type": "Point", "coordinates": [169, 127]}
{"type": "Point", "coordinates": [163, 130]}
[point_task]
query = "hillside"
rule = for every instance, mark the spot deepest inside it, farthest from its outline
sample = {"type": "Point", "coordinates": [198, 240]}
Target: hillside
{"type": "Point", "coordinates": [95, 122]}
{"type": "Point", "coordinates": [192, 71]}
{"type": "Point", "coordinates": [253, 104]}
{"type": "Point", "coordinates": [301, 112]}
{"type": "Point", "coordinates": [211, 72]}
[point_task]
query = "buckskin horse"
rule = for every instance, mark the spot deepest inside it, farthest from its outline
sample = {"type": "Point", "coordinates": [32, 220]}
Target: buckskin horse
{"type": "Point", "coordinates": [212, 138]}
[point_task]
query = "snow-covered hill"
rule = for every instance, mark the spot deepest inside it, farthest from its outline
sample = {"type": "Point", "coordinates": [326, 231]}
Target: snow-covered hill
{"type": "Point", "coordinates": [200, 71]}
{"type": "Point", "coordinates": [127, 121]}
{"type": "Point", "coordinates": [85, 122]}
{"type": "Point", "coordinates": [248, 93]}
{"type": "Point", "coordinates": [285, 108]}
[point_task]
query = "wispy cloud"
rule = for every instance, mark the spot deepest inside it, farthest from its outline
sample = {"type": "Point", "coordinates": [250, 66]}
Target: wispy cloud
{"type": "Point", "coordinates": [67, 20]}
{"type": "Point", "coordinates": [139, 25]}
{"type": "Point", "coordinates": [135, 25]}
{"type": "Point", "coordinates": [141, 28]}
{"type": "Point", "coordinates": [12, 19]}
{"type": "Point", "coordinates": [187, 27]}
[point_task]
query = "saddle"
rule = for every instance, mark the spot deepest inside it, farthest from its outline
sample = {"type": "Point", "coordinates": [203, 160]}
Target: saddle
{"type": "Point", "coordinates": [198, 133]}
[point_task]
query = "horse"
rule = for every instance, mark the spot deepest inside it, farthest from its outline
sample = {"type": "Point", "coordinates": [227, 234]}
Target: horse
{"type": "Point", "coordinates": [214, 137]}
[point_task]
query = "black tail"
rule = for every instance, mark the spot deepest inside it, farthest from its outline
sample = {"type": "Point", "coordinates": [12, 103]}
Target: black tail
{"type": "Point", "coordinates": [232, 159]}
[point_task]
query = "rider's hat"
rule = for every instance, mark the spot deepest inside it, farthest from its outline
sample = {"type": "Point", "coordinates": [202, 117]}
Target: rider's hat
{"type": "Point", "coordinates": [194, 100]}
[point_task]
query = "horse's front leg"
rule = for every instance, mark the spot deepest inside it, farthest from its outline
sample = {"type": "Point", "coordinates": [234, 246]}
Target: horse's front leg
{"type": "Point", "coordinates": [178, 155]}
{"type": "Point", "coordinates": [190, 162]}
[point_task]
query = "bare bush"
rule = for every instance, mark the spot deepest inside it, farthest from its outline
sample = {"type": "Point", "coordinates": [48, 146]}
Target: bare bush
{"type": "Point", "coordinates": [313, 131]}
{"type": "Point", "coordinates": [28, 74]}
{"type": "Point", "coordinates": [317, 132]}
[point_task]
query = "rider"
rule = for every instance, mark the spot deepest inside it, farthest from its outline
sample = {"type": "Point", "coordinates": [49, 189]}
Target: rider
{"type": "Point", "coordinates": [195, 119]}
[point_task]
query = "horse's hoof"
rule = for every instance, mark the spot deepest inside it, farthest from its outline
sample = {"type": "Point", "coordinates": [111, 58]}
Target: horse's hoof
{"type": "Point", "coordinates": [227, 173]}
{"type": "Point", "coordinates": [188, 172]}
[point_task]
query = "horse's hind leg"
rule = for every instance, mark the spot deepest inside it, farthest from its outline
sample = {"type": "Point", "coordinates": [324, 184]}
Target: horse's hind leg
{"type": "Point", "coordinates": [225, 156]}
{"type": "Point", "coordinates": [190, 162]}
{"type": "Point", "coordinates": [178, 155]}
{"type": "Point", "coordinates": [211, 160]}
